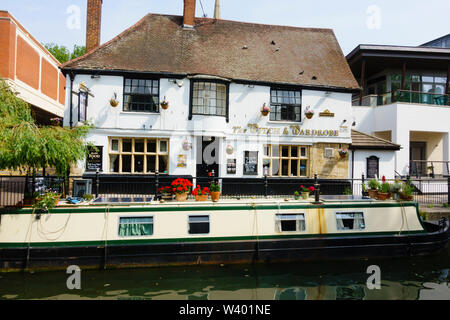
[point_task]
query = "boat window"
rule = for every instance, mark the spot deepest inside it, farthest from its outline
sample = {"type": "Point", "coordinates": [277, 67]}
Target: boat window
{"type": "Point", "coordinates": [199, 225]}
{"type": "Point", "coordinates": [350, 221]}
{"type": "Point", "coordinates": [136, 227]}
{"type": "Point", "coordinates": [290, 222]}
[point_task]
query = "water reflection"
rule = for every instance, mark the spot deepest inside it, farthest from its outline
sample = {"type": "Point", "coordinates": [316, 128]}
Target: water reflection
{"type": "Point", "coordinates": [402, 279]}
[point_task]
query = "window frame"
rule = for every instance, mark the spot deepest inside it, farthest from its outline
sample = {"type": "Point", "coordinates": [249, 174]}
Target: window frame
{"type": "Point", "coordinates": [274, 105]}
{"type": "Point", "coordinates": [278, 220]}
{"type": "Point", "coordinates": [134, 217]}
{"type": "Point", "coordinates": [158, 109]}
{"type": "Point", "coordinates": [199, 216]}
{"type": "Point", "coordinates": [271, 158]}
{"type": "Point", "coordinates": [350, 213]}
{"type": "Point", "coordinates": [227, 99]}
{"type": "Point", "coordinates": [120, 153]}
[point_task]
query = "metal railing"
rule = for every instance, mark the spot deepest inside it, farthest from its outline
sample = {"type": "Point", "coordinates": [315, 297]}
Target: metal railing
{"type": "Point", "coordinates": [15, 190]}
{"type": "Point", "coordinates": [431, 169]}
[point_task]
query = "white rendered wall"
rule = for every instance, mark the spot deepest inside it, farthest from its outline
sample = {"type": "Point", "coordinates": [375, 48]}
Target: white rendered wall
{"type": "Point", "coordinates": [244, 108]}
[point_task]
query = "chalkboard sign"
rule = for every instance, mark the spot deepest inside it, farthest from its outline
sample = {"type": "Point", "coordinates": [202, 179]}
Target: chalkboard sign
{"type": "Point", "coordinates": [251, 163]}
{"type": "Point", "coordinates": [373, 167]}
{"type": "Point", "coordinates": [94, 159]}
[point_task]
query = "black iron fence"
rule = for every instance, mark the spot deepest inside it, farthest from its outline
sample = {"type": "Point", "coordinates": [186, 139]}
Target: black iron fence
{"type": "Point", "coordinates": [14, 191]}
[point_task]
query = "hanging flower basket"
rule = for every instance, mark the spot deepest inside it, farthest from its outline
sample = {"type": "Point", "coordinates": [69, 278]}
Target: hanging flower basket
{"type": "Point", "coordinates": [309, 113]}
{"type": "Point", "coordinates": [113, 101]}
{"type": "Point", "coordinates": [56, 122]}
{"type": "Point", "coordinates": [165, 104]}
{"type": "Point", "coordinates": [265, 110]}
{"type": "Point", "coordinates": [343, 153]}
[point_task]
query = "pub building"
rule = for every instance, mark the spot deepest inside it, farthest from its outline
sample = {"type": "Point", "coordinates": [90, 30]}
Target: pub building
{"type": "Point", "coordinates": [217, 77]}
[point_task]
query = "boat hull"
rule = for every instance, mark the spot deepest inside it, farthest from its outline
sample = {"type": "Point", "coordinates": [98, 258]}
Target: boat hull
{"type": "Point", "coordinates": [231, 251]}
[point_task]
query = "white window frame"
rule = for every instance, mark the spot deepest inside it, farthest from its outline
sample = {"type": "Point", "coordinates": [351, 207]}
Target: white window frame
{"type": "Point", "coordinates": [297, 217]}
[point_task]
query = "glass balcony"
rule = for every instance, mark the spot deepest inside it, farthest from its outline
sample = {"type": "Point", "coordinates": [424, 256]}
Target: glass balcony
{"type": "Point", "coordinates": [404, 96]}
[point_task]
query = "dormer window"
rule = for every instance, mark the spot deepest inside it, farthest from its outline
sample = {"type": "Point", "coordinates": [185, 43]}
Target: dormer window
{"type": "Point", "coordinates": [209, 98]}
{"type": "Point", "coordinates": [141, 95]}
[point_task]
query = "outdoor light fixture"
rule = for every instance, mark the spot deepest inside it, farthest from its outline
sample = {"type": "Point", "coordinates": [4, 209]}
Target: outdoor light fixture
{"type": "Point", "coordinates": [230, 149]}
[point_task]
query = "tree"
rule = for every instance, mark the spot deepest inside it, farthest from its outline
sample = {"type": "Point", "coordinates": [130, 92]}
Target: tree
{"type": "Point", "coordinates": [26, 146]}
{"type": "Point", "coordinates": [62, 54]}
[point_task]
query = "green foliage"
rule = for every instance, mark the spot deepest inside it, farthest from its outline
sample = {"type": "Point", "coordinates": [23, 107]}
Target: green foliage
{"type": "Point", "coordinates": [385, 187]}
{"type": "Point", "coordinates": [47, 202]}
{"type": "Point", "coordinates": [407, 189]}
{"type": "Point", "coordinates": [446, 205]}
{"type": "Point", "coordinates": [374, 184]}
{"type": "Point", "coordinates": [214, 187]}
{"type": "Point", "coordinates": [62, 54]}
{"type": "Point", "coordinates": [25, 146]}
{"type": "Point", "coordinates": [348, 192]}
{"type": "Point", "coordinates": [88, 197]}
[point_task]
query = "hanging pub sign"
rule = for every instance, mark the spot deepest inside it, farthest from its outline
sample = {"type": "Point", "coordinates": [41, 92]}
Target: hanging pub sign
{"type": "Point", "coordinates": [94, 160]}
{"type": "Point", "coordinates": [251, 163]}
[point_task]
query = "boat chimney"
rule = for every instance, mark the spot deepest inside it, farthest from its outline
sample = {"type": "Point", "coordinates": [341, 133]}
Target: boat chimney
{"type": "Point", "coordinates": [217, 10]}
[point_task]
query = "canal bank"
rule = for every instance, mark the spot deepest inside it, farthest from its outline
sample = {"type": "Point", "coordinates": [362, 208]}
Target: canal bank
{"type": "Point", "coordinates": [434, 212]}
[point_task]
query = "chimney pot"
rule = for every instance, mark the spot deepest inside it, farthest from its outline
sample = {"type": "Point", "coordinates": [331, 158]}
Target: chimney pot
{"type": "Point", "coordinates": [189, 13]}
{"type": "Point", "coordinates": [93, 24]}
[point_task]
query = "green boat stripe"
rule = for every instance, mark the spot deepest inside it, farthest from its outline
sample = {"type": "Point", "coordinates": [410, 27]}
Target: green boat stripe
{"type": "Point", "coordinates": [201, 240]}
{"type": "Point", "coordinates": [78, 210]}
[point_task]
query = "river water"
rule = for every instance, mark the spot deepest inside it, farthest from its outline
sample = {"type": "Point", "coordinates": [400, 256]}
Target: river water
{"type": "Point", "coordinates": [401, 279]}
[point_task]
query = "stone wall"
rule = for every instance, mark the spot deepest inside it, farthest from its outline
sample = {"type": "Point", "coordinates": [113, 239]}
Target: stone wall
{"type": "Point", "coordinates": [328, 168]}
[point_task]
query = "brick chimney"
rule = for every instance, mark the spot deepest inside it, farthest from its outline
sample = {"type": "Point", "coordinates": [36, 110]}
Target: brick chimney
{"type": "Point", "coordinates": [93, 24]}
{"type": "Point", "coordinates": [189, 13]}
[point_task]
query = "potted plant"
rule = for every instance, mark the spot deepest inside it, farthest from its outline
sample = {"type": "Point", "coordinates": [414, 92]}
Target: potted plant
{"type": "Point", "coordinates": [374, 185]}
{"type": "Point", "coordinates": [265, 110]}
{"type": "Point", "coordinates": [113, 101]}
{"type": "Point", "coordinates": [166, 193]}
{"type": "Point", "coordinates": [395, 189]}
{"type": "Point", "coordinates": [165, 104]}
{"type": "Point", "coordinates": [431, 171]}
{"type": "Point", "coordinates": [309, 113]}
{"type": "Point", "coordinates": [384, 191]}
{"type": "Point", "coordinates": [297, 195]}
{"type": "Point", "coordinates": [215, 191]}
{"type": "Point", "coordinates": [200, 194]}
{"type": "Point", "coordinates": [88, 197]}
{"type": "Point", "coordinates": [407, 191]}
{"type": "Point", "coordinates": [181, 188]}
{"type": "Point", "coordinates": [47, 202]}
{"type": "Point", "coordinates": [306, 192]}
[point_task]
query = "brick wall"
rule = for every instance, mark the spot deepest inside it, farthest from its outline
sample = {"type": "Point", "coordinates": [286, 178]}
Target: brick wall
{"type": "Point", "coordinates": [189, 12]}
{"type": "Point", "coordinates": [7, 49]}
{"type": "Point", "coordinates": [93, 24]}
{"type": "Point", "coordinates": [28, 64]}
{"type": "Point", "coordinates": [49, 80]}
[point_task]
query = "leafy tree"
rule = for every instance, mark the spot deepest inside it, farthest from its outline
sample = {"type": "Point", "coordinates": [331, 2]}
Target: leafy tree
{"type": "Point", "coordinates": [62, 54]}
{"type": "Point", "coordinates": [26, 146]}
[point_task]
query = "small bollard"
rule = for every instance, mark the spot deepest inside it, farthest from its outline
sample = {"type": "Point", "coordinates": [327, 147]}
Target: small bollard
{"type": "Point", "coordinates": [317, 190]}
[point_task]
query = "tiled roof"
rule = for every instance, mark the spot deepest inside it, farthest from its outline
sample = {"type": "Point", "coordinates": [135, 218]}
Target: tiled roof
{"type": "Point", "coordinates": [232, 50]}
{"type": "Point", "coordinates": [361, 140]}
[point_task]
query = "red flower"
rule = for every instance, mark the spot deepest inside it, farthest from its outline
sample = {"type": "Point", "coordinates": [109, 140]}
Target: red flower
{"type": "Point", "coordinates": [384, 179]}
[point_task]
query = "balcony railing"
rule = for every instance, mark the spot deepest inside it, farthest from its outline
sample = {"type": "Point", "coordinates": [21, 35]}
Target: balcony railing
{"type": "Point", "coordinates": [404, 96]}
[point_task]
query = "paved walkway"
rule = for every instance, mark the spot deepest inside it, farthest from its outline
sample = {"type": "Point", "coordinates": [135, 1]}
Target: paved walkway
{"type": "Point", "coordinates": [435, 212]}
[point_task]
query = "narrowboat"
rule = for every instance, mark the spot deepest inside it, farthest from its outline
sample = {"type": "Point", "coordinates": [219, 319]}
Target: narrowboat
{"type": "Point", "coordinates": [127, 233]}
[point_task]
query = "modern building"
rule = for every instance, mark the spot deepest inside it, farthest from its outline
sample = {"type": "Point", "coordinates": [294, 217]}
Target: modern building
{"type": "Point", "coordinates": [31, 70]}
{"type": "Point", "coordinates": [216, 76]}
{"type": "Point", "coordinates": [405, 100]}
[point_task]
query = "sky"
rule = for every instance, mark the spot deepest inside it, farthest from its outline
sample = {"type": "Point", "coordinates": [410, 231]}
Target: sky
{"type": "Point", "coordinates": [390, 22]}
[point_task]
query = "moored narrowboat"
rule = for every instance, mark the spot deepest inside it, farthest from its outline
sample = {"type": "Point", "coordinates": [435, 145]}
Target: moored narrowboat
{"type": "Point", "coordinates": [158, 233]}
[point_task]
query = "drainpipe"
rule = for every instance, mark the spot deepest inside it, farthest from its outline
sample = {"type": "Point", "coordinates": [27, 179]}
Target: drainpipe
{"type": "Point", "coordinates": [72, 78]}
